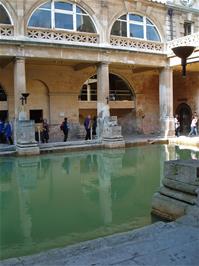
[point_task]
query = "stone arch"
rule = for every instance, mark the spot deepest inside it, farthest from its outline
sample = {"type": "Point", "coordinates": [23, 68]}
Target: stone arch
{"type": "Point", "coordinates": [185, 114]}
{"type": "Point", "coordinates": [39, 97]}
{"type": "Point", "coordinates": [81, 4]}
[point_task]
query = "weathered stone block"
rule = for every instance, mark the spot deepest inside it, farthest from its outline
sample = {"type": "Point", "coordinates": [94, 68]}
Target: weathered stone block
{"type": "Point", "coordinates": [186, 171]}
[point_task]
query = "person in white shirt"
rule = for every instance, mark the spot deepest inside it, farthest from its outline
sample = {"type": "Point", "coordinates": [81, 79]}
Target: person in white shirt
{"type": "Point", "coordinates": [193, 126]}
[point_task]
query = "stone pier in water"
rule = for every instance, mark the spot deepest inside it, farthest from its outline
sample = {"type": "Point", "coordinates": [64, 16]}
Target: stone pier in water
{"type": "Point", "coordinates": [179, 192]}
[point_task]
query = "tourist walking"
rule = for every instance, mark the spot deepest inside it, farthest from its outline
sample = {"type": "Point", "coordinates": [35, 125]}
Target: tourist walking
{"type": "Point", "coordinates": [45, 131]}
{"type": "Point", "coordinates": [87, 126]}
{"type": "Point", "coordinates": [8, 132]}
{"type": "Point", "coordinates": [193, 126]}
{"type": "Point", "coordinates": [64, 127]}
{"type": "Point", "coordinates": [177, 126]}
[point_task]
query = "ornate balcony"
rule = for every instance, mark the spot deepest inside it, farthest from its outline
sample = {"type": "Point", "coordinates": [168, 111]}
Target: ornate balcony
{"type": "Point", "coordinates": [6, 31]}
{"type": "Point", "coordinates": [137, 45]}
{"type": "Point", "coordinates": [62, 36]}
{"type": "Point", "coordinates": [189, 40]}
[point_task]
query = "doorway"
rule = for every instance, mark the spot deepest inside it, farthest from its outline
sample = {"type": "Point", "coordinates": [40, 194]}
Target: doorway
{"type": "Point", "coordinates": [185, 114]}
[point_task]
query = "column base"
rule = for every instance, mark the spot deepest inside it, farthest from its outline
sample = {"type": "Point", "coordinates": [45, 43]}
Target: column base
{"type": "Point", "coordinates": [167, 127]}
{"type": "Point", "coordinates": [27, 149]}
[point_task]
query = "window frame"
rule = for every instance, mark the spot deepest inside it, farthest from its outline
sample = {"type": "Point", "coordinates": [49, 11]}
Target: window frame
{"type": "Point", "coordinates": [55, 11]}
{"type": "Point", "coordinates": [143, 23]}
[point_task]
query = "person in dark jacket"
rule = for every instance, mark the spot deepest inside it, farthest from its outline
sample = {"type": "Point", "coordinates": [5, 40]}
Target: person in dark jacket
{"type": "Point", "coordinates": [87, 126]}
{"type": "Point", "coordinates": [64, 127]}
{"type": "Point", "coordinates": [45, 131]}
{"type": "Point", "coordinates": [8, 132]}
{"type": "Point", "coordinates": [2, 128]}
{"type": "Point", "coordinates": [94, 126]}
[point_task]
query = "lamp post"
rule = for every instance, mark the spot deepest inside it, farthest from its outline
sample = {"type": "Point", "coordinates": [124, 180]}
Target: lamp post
{"type": "Point", "coordinates": [24, 97]}
{"type": "Point", "coordinates": [183, 52]}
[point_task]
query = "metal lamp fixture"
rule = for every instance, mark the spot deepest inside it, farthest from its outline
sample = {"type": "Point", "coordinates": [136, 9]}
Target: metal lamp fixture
{"type": "Point", "coordinates": [183, 52]}
{"type": "Point", "coordinates": [24, 97]}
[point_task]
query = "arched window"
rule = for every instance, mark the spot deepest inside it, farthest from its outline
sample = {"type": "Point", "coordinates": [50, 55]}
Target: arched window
{"type": "Point", "coordinates": [3, 96]}
{"type": "Point", "coordinates": [135, 26]}
{"type": "Point", "coordinates": [119, 90]}
{"type": "Point", "coordinates": [61, 15]}
{"type": "Point", "coordinates": [4, 18]}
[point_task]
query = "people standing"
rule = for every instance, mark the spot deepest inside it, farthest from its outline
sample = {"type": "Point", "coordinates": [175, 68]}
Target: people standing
{"type": "Point", "coordinates": [177, 126]}
{"type": "Point", "coordinates": [193, 126]}
{"type": "Point", "coordinates": [8, 132]}
{"type": "Point", "coordinates": [94, 126]}
{"type": "Point", "coordinates": [1, 131]}
{"type": "Point", "coordinates": [45, 131]}
{"type": "Point", "coordinates": [64, 127]}
{"type": "Point", "coordinates": [87, 126]}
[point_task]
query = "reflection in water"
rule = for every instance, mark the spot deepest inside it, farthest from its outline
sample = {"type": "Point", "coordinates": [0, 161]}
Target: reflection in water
{"type": "Point", "coordinates": [104, 192]}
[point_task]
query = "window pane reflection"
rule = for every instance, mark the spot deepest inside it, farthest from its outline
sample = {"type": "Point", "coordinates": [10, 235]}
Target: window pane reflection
{"type": "Point", "coordinates": [63, 6]}
{"type": "Point", "coordinates": [136, 31]}
{"type": "Point", "coordinates": [152, 34]}
{"type": "Point", "coordinates": [84, 23]}
{"type": "Point", "coordinates": [119, 29]}
{"type": "Point", "coordinates": [41, 19]}
{"type": "Point", "coordinates": [63, 21]}
{"type": "Point", "coordinates": [4, 19]}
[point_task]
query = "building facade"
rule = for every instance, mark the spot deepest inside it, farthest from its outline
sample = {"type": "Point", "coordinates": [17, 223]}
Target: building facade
{"type": "Point", "coordinates": [75, 58]}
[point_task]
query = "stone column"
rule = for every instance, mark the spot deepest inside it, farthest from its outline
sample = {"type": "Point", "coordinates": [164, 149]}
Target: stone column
{"type": "Point", "coordinates": [166, 102]}
{"type": "Point", "coordinates": [19, 83]}
{"type": "Point", "coordinates": [102, 90]}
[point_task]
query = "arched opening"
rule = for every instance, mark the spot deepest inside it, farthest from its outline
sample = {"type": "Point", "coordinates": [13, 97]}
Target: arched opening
{"type": "Point", "coordinates": [185, 114]}
{"type": "Point", "coordinates": [3, 104]}
{"type": "Point", "coordinates": [121, 100]}
{"type": "Point", "coordinates": [38, 101]}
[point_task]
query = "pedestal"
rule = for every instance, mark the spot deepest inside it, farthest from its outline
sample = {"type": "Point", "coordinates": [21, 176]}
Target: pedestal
{"type": "Point", "coordinates": [25, 138]}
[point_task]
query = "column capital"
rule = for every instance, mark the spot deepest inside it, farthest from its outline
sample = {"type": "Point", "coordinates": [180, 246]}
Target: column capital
{"type": "Point", "coordinates": [19, 58]}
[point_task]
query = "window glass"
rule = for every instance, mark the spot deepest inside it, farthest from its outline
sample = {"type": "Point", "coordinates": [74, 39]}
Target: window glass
{"type": "Point", "coordinates": [136, 31]}
{"type": "Point", "coordinates": [41, 19]}
{"type": "Point", "coordinates": [62, 16]}
{"type": "Point", "coordinates": [46, 6]}
{"type": "Point", "coordinates": [119, 29]}
{"type": "Point", "coordinates": [123, 17]}
{"type": "Point", "coordinates": [63, 21]}
{"type": "Point", "coordinates": [79, 10]}
{"type": "Point", "coordinates": [63, 6]}
{"type": "Point", "coordinates": [135, 18]}
{"type": "Point", "coordinates": [152, 34]}
{"type": "Point", "coordinates": [4, 18]}
{"type": "Point", "coordinates": [85, 24]}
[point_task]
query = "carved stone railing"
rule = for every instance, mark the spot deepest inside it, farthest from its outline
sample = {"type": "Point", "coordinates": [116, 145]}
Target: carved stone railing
{"type": "Point", "coordinates": [189, 40]}
{"type": "Point", "coordinates": [137, 45]}
{"type": "Point", "coordinates": [62, 36]}
{"type": "Point", "coordinates": [6, 31]}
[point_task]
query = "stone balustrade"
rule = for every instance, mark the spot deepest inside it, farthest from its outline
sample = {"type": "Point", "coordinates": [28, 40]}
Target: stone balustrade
{"type": "Point", "coordinates": [6, 31]}
{"type": "Point", "coordinates": [189, 40]}
{"type": "Point", "coordinates": [62, 36]}
{"type": "Point", "coordinates": [137, 45]}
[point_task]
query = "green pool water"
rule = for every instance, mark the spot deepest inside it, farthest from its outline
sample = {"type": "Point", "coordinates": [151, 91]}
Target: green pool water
{"type": "Point", "coordinates": [55, 200]}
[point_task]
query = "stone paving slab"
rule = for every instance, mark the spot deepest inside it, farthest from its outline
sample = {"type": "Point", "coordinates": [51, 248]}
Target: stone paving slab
{"type": "Point", "coordinates": [161, 244]}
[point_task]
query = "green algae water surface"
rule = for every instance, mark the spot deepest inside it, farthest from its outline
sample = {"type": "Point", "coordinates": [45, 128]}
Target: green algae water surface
{"type": "Point", "coordinates": [55, 200]}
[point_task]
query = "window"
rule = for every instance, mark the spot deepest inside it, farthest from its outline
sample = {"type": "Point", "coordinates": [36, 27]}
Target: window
{"type": "Point", "coordinates": [36, 115]}
{"type": "Point", "coordinates": [187, 28]}
{"type": "Point", "coordinates": [4, 18]}
{"type": "Point", "coordinates": [135, 26]}
{"type": "Point", "coordinates": [119, 90]}
{"type": "Point", "coordinates": [61, 15]}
